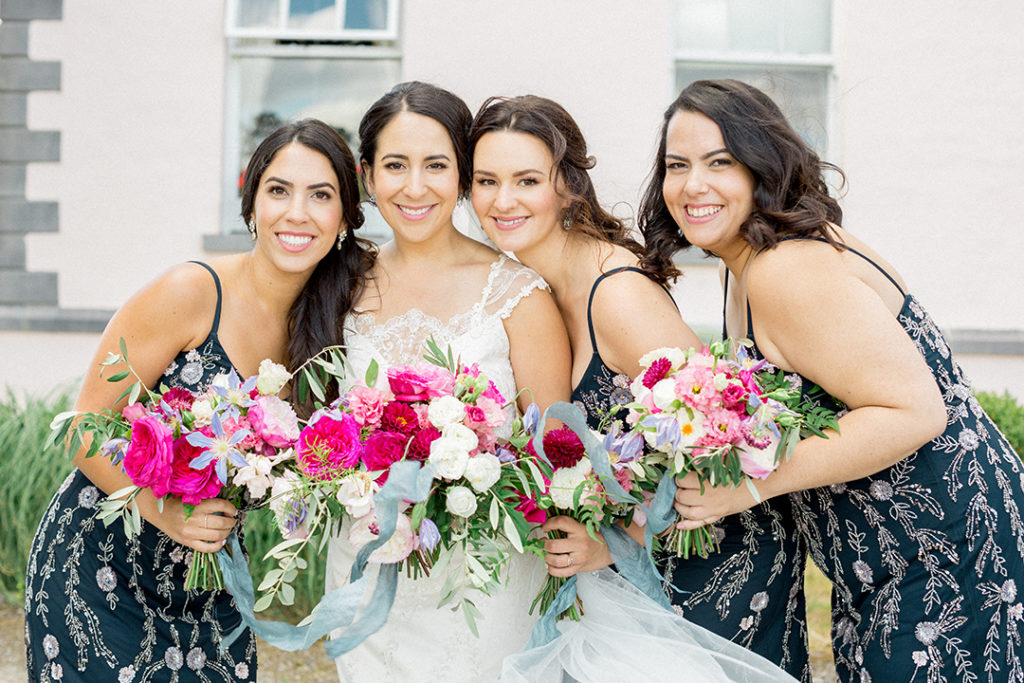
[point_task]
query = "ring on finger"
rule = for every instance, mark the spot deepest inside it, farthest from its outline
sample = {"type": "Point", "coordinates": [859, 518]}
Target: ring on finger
{"type": "Point", "coordinates": [206, 521]}
{"type": "Point", "coordinates": [570, 561]}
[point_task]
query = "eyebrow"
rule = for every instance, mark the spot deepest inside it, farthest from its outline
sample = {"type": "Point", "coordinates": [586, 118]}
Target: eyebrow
{"type": "Point", "coordinates": [710, 154]}
{"type": "Point", "coordinates": [288, 183]}
{"type": "Point", "coordinates": [517, 174]}
{"type": "Point", "coordinates": [432, 157]}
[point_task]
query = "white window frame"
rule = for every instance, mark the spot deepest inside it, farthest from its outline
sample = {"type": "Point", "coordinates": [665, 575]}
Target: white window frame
{"type": "Point", "coordinates": [282, 32]}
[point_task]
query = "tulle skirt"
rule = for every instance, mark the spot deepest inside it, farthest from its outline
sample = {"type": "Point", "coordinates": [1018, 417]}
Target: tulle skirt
{"type": "Point", "coordinates": [624, 634]}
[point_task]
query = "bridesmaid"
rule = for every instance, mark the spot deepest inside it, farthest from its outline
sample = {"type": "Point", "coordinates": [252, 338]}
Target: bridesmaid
{"type": "Point", "coordinates": [102, 607]}
{"type": "Point", "coordinates": [914, 509]}
{"type": "Point", "coordinates": [534, 197]}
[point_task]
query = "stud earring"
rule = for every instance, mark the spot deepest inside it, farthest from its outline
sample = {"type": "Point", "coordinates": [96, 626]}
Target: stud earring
{"type": "Point", "coordinates": [342, 234]}
{"type": "Point", "coordinates": [252, 228]}
{"type": "Point", "coordinates": [373, 199]}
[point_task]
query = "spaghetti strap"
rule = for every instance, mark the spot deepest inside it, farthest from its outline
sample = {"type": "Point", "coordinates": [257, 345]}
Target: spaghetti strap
{"type": "Point", "coordinates": [216, 281]}
{"type": "Point", "coordinates": [590, 301]}
{"type": "Point", "coordinates": [863, 256]}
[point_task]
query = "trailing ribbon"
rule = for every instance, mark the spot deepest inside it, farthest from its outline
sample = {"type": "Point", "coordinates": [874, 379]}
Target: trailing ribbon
{"type": "Point", "coordinates": [632, 561]}
{"type": "Point", "coordinates": [339, 608]}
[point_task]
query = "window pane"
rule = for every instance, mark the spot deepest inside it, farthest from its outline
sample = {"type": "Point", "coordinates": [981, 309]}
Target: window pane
{"type": "Point", "coordinates": [338, 91]}
{"type": "Point", "coordinates": [807, 27]}
{"type": "Point", "coordinates": [258, 13]}
{"type": "Point", "coordinates": [754, 25]}
{"type": "Point", "coordinates": [312, 15]}
{"type": "Point", "coordinates": [702, 24]}
{"type": "Point", "coordinates": [366, 14]}
{"type": "Point", "coordinates": [801, 92]}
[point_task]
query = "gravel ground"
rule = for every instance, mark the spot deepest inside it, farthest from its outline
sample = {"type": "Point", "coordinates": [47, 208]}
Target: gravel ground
{"type": "Point", "coordinates": [275, 666]}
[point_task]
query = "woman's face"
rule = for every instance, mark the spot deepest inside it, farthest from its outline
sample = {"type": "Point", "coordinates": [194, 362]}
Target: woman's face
{"type": "Point", "coordinates": [513, 193]}
{"type": "Point", "coordinates": [415, 177]}
{"type": "Point", "coordinates": [708, 192]}
{"type": "Point", "coordinates": [297, 209]}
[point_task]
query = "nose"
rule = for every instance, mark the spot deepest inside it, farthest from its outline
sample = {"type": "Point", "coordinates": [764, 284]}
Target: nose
{"type": "Point", "coordinates": [415, 186]}
{"type": "Point", "coordinates": [696, 183]}
{"type": "Point", "coordinates": [297, 209]}
{"type": "Point", "coordinates": [504, 200]}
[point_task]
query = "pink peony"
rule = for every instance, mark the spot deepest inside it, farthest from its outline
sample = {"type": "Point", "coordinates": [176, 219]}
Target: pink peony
{"type": "Point", "coordinates": [329, 445]}
{"type": "Point", "coordinates": [274, 421]}
{"type": "Point", "coordinates": [420, 382]}
{"type": "Point", "coordinates": [150, 454]}
{"type": "Point", "coordinates": [399, 417]}
{"type": "Point", "coordinates": [381, 450]}
{"type": "Point", "coordinates": [419, 447]}
{"type": "Point", "coordinates": [366, 404]}
{"type": "Point", "coordinates": [192, 485]}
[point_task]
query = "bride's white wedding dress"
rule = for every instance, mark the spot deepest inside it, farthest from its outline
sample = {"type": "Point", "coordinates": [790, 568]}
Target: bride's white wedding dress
{"type": "Point", "coordinates": [420, 642]}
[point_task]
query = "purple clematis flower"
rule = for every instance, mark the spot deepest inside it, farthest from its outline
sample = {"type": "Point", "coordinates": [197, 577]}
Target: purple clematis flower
{"type": "Point", "coordinates": [429, 535]}
{"type": "Point", "coordinates": [666, 430]}
{"type": "Point", "coordinates": [235, 395]}
{"type": "Point", "coordinates": [531, 419]}
{"type": "Point", "coordinates": [220, 447]}
{"type": "Point", "coordinates": [115, 450]}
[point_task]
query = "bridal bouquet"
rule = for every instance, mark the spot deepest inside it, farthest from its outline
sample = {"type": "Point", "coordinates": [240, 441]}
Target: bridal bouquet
{"type": "Point", "coordinates": [443, 414]}
{"type": "Point", "coordinates": [231, 441]}
{"type": "Point", "coordinates": [729, 418]}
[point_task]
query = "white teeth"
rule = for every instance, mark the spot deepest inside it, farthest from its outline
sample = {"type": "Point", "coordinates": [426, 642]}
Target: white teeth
{"type": "Point", "coordinates": [414, 212]}
{"type": "Point", "coordinates": [512, 221]}
{"type": "Point", "coordinates": [702, 211]}
{"type": "Point", "coordinates": [295, 240]}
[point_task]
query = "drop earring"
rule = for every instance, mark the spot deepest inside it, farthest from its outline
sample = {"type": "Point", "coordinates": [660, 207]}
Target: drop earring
{"type": "Point", "coordinates": [342, 234]}
{"type": "Point", "coordinates": [566, 222]}
{"type": "Point", "coordinates": [252, 228]}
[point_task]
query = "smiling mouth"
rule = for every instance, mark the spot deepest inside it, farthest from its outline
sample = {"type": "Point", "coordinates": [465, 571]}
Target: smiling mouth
{"type": "Point", "coordinates": [414, 212]}
{"type": "Point", "coordinates": [702, 211]}
{"type": "Point", "coordinates": [510, 222]}
{"type": "Point", "coordinates": [295, 240]}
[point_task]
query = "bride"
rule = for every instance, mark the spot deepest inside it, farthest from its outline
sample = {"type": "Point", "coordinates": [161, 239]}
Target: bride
{"type": "Point", "coordinates": [433, 281]}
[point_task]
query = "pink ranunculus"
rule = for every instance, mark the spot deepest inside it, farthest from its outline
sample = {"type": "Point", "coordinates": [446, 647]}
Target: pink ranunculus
{"type": "Point", "coordinates": [329, 445]}
{"type": "Point", "coordinates": [366, 404]}
{"type": "Point", "coordinates": [150, 454]}
{"type": "Point", "coordinates": [475, 416]}
{"type": "Point", "coordinates": [381, 450]}
{"type": "Point", "coordinates": [420, 382]}
{"type": "Point", "coordinates": [134, 412]}
{"type": "Point", "coordinates": [734, 396]}
{"type": "Point", "coordinates": [274, 421]}
{"type": "Point", "coordinates": [192, 485]}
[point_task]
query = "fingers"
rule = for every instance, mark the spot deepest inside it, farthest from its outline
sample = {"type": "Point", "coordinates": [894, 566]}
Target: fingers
{"type": "Point", "coordinates": [563, 523]}
{"type": "Point", "coordinates": [216, 505]}
{"type": "Point", "coordinates": [562, 565]}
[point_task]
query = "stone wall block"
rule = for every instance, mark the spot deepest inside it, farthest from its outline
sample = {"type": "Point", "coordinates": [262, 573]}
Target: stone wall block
{"type": "Point", "coordinates": [17, 287]}
{"type": "Point", "coordinates": [29, 145]}
{"type": "Point", "coordinates": [19, 215]}
{"type": "Point", "coordinates": [18, 73]}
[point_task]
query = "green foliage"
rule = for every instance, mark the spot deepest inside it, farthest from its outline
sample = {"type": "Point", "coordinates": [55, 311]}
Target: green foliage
{"type": "Point", "coordinates": [261, 535]}
{"type": "Point", "coordinates": [1008, 415]}
{"type": "Point", "coordinates": [30, 473]}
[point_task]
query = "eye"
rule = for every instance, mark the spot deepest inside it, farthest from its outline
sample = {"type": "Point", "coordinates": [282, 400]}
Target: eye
{"type": "Point", "coordinates": [393, 166]}
{"type": "Point", "coordinates": [528, 181]}
{"type": "Point", "coordinates": [322, 195]}
{"type": "Point", "coordinates": [277, 190]}
{"type": "Point", "coordinates": [675, 165]}
{"type": "Point", "coordinates": [438, 166]}
{"type": "Point", "coordinates": [484, 182]}
{"type": "Point", "coordinates": [721, 162]}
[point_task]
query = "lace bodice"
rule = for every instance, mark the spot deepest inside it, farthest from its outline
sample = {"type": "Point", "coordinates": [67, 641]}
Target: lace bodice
{"type": "Point", "coordinates": [476, 335]}
{"type": "Point", "coordinates": [419, 641]}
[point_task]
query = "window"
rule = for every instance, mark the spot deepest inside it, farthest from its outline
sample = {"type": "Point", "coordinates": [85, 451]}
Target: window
{"type": "Point", "coordinates": [783, 47]}
{"type": "Point", "coordinates": [292, 59]}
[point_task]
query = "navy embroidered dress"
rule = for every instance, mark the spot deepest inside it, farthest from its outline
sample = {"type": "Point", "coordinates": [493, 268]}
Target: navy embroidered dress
{"type": "Point", "coordinates": [101, 607]}
{"type": "Point", "coordinates": [926, 556]}
{"type": "Point", "coordinates": [750, 592]}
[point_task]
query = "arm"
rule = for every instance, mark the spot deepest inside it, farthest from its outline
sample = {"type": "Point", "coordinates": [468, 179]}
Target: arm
{"type": "Point", "coordinates": [539, 350]}
{"type": "Point", "coordinates": [814, 317]}
{"type": "Point", "coordinates": [623, 338]}
{"type": "Point", "coordinates": [169, 315]}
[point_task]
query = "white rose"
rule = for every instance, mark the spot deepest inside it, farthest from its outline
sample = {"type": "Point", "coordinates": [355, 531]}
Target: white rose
{"type": "Point", "coordinates": [664, 393]}
{"type": "Point", "coordinates": [448, 458]}
{"type": "Point", "coordinates": [483, 471]}
{"type": "Point", "coordinates": [202, 411]}
{"type": "Point", "coordinates": [674, 356]}
{"type": "Point", "coordinates": [461, 501]}
{"type": "Point", "coordinates": [272, 377]}
{"type": "Point", "coordinates": [564, 483]}
{"type": "Point", "coordinates": [461, 435]}
{"type": "Point", "coordinates": [445, 410]}
{"type": "Point", "coordinates": [356, 494]}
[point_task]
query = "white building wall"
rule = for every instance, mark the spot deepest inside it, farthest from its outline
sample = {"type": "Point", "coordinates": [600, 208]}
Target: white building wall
{"type": "Point", "coordinates": [927, 100]}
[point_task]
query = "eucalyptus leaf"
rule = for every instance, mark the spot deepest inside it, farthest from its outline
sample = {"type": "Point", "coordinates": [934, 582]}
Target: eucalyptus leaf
{"type": "Point", "coordinates": [263, 603]}
{"type": "Point", "coordinates": [286, 594]}
{"type": "Point", "coordinates": [494, 513]}
{"type": "Point", "coordinates": [512, 533]}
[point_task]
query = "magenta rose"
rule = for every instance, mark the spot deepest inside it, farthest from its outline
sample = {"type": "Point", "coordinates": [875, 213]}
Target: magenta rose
{"type": "Point", "coordinates": [734, 396]}
{"type": "Point", "coordinates": [381, 450]}
{"type": "Point", "coordinates": [192, 485]}
{"type": "Point", "coordinates": [419, 382]}
{"type": "Point", "coordinates": [147, 461]}
{"type": "Point", "coordinates": [329, 445]}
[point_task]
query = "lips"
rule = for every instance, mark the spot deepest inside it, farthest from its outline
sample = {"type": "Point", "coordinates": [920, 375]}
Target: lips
{"type": "Point", "coordinates": [294, 241]}
{"type": "Point", "coordinates": [509, 222]}
{"type": "Point", "coordinates": [702, 210]}
{"type": "Point", "coordinates": [414, 213]}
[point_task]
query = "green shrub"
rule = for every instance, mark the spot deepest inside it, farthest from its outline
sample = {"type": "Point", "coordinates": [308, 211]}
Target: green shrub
{"type": "Point", "coordinates": [29, 476]}
{"type": "Point", "coordinates": [1008, 415]}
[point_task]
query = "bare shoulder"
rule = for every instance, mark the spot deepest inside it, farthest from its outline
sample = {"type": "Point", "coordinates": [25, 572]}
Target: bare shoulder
{"type": "Point", "coordinates": [626, 289]}
{"type": "Point", "coordinates": [181, 301]}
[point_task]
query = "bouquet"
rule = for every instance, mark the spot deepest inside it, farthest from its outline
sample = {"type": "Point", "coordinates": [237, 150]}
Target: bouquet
{"type": "Point", "coordinates": [729, 418]}
{"type": "Point", "coordinates": [230, 442]}
{"type": "Point", "coordinates": [449, 417]}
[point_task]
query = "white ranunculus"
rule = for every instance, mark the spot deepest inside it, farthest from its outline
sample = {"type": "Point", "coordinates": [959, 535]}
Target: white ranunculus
{"type": "Point", "coordinates": [461, 501]}
{"type": "Point", "coordinates": [664, 393]}
{"type": "Point", "coordinates": [461, 435]}
{"type": "Point", "coordinates": [445, 410]}
{"type": "Point", "coordinates": [565, 481]}
{"type": "Point", "coordinates": [272, 377]}
{"type": "Point", "coordinates": [356, 494]}
{"type": "Point", "coordinates": [202, 411]}
{"type": "Point", "coordinates": [483, 471]}
{"type": "Point", "coordinates": [448, 457]}
{"type": "Point", "coordinates": [675, 356]}
{"type": "Point", "coordinates": [720, 381]}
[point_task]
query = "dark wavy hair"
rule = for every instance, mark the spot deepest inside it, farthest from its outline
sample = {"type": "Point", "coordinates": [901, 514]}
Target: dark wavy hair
{"type": "Point", "coordinates": [426, 99]}
{"type": "Point", "coordinates": [791, 196]}
{"type": "Point", "coordinates": [550, 123]}
{"type": "Point", "coordinates": [316, 318]}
